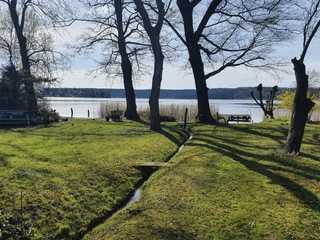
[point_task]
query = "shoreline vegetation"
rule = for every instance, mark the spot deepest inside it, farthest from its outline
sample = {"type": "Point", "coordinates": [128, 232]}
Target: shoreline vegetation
{"type": "Point", "coordinates": [177, 111]}
{"type": "Point", "coordinates": [215, 93]}
{"type": "Point", "coordinates": [169, 110]}
{"type": "Point", "coordinates": [225, 184]}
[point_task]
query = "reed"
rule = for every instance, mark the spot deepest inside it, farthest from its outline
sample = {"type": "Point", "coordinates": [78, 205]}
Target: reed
{"type": "Point", "coordinates": [285, 113]}
{"type": "Point", "coordinates": [166, 109]}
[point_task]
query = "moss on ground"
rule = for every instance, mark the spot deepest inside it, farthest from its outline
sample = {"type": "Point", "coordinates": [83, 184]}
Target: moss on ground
{"type": "Point", "coordinates": [229, 183]}
{"type": "Point", "coordinates": [71, 174]}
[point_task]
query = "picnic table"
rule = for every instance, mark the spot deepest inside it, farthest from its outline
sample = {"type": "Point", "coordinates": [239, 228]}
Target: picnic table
{"type": "Point", "coordinates": [245, 118]}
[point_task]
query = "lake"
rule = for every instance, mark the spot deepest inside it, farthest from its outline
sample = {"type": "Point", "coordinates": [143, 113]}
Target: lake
{"type": "Point", "coordinates": [82, 105]}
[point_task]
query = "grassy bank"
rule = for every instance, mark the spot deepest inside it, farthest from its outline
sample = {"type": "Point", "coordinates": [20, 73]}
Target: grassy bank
{"type": "Point", "coordinates": [71, 174]}
{"type": "Point", "coordinates": [229, 183]}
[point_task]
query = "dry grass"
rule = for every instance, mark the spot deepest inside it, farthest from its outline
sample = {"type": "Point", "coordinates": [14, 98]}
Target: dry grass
{"type": "Point", "coordinates": [284, 113]}
{"type": "Point", "coordinates": [166, 109]}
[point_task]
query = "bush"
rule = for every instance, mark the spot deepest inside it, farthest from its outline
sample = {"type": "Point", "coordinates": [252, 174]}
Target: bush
{"type": "Point", "coordinates": [286, 104]}
{"type": "Point", "coordinates": [48, 115]}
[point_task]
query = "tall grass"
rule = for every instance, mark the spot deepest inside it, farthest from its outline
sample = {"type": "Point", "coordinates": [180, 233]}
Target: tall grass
{"type": "Point", "coordinates": [166, 109]}
{"type": "Point", "coordinates": [285, 113]}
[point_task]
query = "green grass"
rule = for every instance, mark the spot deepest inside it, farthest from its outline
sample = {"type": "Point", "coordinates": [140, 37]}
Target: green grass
{"type": "Point", "coordinates": [229, 183]}
{"type": "Point", "coordinates": [71, 174]}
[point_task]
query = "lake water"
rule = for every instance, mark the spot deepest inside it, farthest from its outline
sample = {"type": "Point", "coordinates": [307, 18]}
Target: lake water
{"type": "Point", "coordinates": [82, 105]}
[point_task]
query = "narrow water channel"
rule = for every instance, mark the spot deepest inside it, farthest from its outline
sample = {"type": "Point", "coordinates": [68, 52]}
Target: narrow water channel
{"type": "Point", "coordinates": [136, 194]}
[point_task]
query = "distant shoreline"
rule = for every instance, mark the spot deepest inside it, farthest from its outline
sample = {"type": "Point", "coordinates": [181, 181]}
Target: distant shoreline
{"type": "Point", "coordinates": [216, 93]}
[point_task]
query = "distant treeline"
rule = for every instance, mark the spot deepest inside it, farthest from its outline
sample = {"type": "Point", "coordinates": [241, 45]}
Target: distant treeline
{"type": "Point", "coordinates": [217, 93]}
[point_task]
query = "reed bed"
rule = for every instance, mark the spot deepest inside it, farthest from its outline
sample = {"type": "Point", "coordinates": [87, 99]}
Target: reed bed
{"type": "Point", "coordinates": [285, 113]}
{"type": "Point", "coordinates": [166, 109]}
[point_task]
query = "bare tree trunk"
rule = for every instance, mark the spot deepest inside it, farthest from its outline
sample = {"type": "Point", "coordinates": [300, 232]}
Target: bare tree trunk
{"type": "Point", "coordinates": [204, 113]}
{"type": "Point", "coordinates": [154, 33]}
{"type": "Point", "coordinates": [196, 62]}
{"type": "Point", "coordinates": [155, 123]}
{"type": "Point", "coordinates": [28, 81]}
{"type": "Point", "coordinates": [301, 107]}
{"type": "Point", "coordinates": [126, 65]}
{"type": "Point", "coordinates": [131, 111]}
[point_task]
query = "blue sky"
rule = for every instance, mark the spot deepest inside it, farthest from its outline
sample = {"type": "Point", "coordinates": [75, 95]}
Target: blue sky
{"type": "Point", "coordinates": [176, 75]}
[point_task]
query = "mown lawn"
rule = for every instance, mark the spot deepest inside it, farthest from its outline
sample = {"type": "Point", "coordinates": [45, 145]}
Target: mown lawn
{"type": "Point", "coordinates": [229, 183]}
{"type": "Point", "coordinates": [72, 174]}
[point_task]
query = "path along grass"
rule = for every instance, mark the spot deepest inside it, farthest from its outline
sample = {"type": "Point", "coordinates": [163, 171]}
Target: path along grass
{"type": "Point", "coordinates": [71, 174]}
{"type": "Point", "coordinates": [229, 183]}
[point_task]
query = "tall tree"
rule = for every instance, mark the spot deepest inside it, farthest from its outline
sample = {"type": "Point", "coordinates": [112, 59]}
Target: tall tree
{"type": "Point", "coordinates": [126, 65]}
{"type": "Point", "coordinates": [302, 105]}
{"type": "Point", "coordinates": [118, 31]}
{"type": "Point", "coordinates": [18, 21]}
{"type": "Point", "coordinates": [34, 46]}
{"type": "Point", "coordinates": [153, 26]}
{"type": "Point", "coordinates": [221, 34]}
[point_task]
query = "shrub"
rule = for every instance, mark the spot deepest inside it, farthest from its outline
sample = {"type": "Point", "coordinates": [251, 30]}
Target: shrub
{"type": "Point", "coordinates": [286, 104]}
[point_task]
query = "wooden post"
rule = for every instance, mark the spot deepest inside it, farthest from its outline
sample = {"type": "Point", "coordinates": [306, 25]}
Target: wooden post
{"type": "Point", "coordinates": [71, 113]}
{"type": "Point", "coordinates": [185, 119]}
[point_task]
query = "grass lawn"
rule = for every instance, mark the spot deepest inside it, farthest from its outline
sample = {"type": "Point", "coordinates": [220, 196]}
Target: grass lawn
{"type": "Point", "coordinates": [229, 183]}
{"type": "Point", "coordinates": [72, 174]}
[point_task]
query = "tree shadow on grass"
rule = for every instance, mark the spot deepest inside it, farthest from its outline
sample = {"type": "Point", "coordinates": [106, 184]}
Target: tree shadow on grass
{"type": "Point", "coordinates": [251, 160]}
{"type": "Point", "coordinates": [264, 132]}
{"type": "Point", "coordinates": [311, 156]}
{"type": "Point", "coordinates": [3, 161]}
{"type": "Point", "coordinates": [303, 194]}
{"type": "Point", "coordinates": [286, 160]}
{"type": "Point", "coordinates": [178, 139]}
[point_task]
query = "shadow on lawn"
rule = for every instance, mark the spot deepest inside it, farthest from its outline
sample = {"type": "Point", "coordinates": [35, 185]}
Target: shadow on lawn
{"type": "Point", "coordinates": [251, 160]}
{"type": "Point", "coordinates": [3, 161]}
{"type": "Point", "coordinates": [280, 137]}
{"type": "Point", "coordinates": [181, 134]}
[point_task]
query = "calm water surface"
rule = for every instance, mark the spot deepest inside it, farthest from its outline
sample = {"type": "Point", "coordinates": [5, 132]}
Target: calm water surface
{"type": "Point", "coordinates": [82, 105]}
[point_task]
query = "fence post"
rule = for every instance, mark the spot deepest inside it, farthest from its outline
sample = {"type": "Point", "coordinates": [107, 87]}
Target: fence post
{"type": "Point", "coordinates": [71, 113]}
{"type": "Point", "coordinates": [185, 119]}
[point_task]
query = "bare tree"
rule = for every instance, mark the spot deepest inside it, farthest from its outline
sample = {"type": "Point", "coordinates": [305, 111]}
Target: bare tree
{"type": "Point", "coordinates": [118, 29]}
{"type": "Point", "coordinates": [34, 45]}
{"type": "Point", "coordinates": [8, 41]}
{"type": "Point", "coordinates": [268, 106]}
{"type": "Point", "coordinates": [220, 34]}
{"type": "Point", "coordinates": [302, 105]}
{"type": "Point", "coordinates": [153, 24]}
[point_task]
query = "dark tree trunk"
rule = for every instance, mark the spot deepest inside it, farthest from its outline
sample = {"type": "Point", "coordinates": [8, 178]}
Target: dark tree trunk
{"type": "Point", "coordinates": [155, 123]}
{"type": "Point", "coordinates": [126, 65]}
{"type": "Point", "coordinates": [204, 113]}
{"type": "Point", "coordinates": [154, 36]}
{"type": "Point", "coordinates": [28, 80]}
{"type": "Point", "coordinates": [196, 62]}
{"type": "Point", "coordinates": [131, 111]}
{"type": "Point", "coordinates": [302, 105]}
